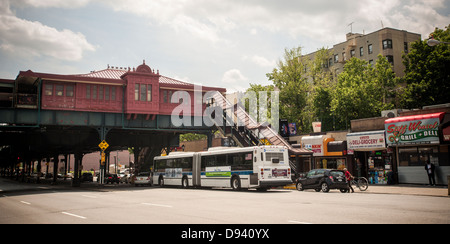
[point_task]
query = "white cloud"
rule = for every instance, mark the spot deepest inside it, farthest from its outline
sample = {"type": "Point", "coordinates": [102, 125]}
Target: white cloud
{"type": "Point", "coordinates": [260, 61]}
{"type": "Point", "coordinates": [31, 38]}
{"type": "Point", "coordinates": [235, 80]}
{"type": "Point", "coordinates": [53, 3]}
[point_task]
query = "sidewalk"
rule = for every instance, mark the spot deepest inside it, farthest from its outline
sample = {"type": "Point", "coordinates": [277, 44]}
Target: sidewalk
{"type": "Point", "coordinates": [401, 189]}
{"type": "Point", "coordinates": [408, 189]}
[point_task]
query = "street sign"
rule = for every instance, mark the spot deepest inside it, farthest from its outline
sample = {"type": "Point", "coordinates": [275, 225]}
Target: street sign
{"type": "Point", "coordinates": [103, 145]}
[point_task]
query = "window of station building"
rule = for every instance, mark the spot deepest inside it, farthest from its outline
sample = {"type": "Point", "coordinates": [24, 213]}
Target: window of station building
{"type": "Point", "coordinates": [88, 91]}
{"type": "Point", "coordinates": [143, 96]}
{"type": "Point", "coordinates": [107, 93]}
{"type": "Point", "coordinates": [336, 58]}
{"type": "Point", "coordinates": [94, 92]}
{"type": "Point", "coordinates": [69, 91]}
{"type": "Point", "coordinates": [387, 44]}
{"type": "Point", "coordinates": [361, 51]}
{"type": "Point", "coordinates": [113, 94]}
{"type": "Point", "coordinates": [48, 90]}
{"type": "Point", "coordinates": [59, 90]}
{"type": "Point", "coordinates": [142, 92]}
{"type": "Point", "coordinates": [149, 93]}
{"type": "Point", "coordinates": [136, 92]}
{"type": "Point", "coordinates": [100, 92]}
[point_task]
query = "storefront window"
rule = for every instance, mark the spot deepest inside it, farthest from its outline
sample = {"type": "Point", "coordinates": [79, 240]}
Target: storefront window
{"type": "Point", "coordinates": [419, 156]}
{"type": "Point", "coordinates": [330, 163]}
{"type": "Point", "coordinates": [380, 164]}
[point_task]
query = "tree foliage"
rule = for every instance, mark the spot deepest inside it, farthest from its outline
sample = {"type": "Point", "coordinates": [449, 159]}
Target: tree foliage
{"type": "Point", "coordinates": [427, 72]}
{"type": "Point", "coordinates": [291, 79]}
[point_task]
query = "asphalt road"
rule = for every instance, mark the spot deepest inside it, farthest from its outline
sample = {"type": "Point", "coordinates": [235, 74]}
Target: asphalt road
{"type": "Point", "coordinates": [156, 205]}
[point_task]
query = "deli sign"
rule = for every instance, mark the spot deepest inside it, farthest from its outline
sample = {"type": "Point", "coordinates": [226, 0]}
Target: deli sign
{"type": "Point", "coordinates": [366, 141]}
{"type": "Point", "coordinates": [413, 129]}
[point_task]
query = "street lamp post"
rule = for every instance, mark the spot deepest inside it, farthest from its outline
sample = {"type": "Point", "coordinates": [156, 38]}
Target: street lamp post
{"type": "Point", "coordinates": [433, 42]}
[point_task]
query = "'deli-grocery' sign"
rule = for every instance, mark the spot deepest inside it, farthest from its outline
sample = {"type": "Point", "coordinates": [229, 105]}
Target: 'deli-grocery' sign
{"type": "Point", "coordinates": [413, 129]}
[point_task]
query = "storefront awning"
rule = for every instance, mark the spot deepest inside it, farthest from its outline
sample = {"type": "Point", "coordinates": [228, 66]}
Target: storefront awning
{"type": "Point", "coordinates": [415, 117]}
{"type": "Point", "coordinates": [416, 129]}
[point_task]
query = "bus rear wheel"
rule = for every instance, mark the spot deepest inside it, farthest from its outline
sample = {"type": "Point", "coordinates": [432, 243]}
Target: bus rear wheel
{"type": "Point", "coordinates": [185, 182]}
{"type": "Point", "coordinates": [236, 183]}
{"type": "Point", "coordinates": [161, 181]}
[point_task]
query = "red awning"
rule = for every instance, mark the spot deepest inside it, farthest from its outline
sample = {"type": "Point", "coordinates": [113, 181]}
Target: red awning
{"type": "Point", "coordinates": [415, 117]}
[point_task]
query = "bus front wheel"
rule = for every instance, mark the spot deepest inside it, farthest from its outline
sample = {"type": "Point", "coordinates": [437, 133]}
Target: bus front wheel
{"type": "Point", "coordinates": [236, 183]}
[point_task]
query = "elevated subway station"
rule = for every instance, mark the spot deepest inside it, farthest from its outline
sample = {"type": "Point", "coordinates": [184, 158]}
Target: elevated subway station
{"type": "Point", "coordinates": [45, 115]}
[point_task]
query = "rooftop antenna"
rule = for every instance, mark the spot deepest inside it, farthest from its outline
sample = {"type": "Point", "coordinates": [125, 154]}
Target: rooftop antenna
{"type": "Point", "coordinates": [382, 26]}
{"type": "Point", "coordinates": [351, 27]}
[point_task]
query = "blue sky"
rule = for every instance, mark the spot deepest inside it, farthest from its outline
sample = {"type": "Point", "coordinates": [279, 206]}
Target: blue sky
{"type": "Point", "coordinates": [226, 43]}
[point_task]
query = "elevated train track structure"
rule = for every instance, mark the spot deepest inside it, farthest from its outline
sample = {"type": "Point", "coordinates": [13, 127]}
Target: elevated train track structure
{"type": "Point", "coordinates": [44, 115]}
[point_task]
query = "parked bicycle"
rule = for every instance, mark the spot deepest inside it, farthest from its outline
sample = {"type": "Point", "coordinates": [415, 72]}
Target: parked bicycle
{"type": "Point", "coordinates": [361, 182]}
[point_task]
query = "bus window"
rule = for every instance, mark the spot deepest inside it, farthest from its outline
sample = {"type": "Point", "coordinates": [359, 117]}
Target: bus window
{"type": "Point", "coordinates": [275, 157]}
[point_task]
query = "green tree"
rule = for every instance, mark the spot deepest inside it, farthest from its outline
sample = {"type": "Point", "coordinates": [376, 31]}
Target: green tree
{"type": "Point", "coordinates": [290, 78]}
{"type": "Point", "coordinates": [427, 72]}
{"type": "Point", "coordinates": [323, 83]}
{"type": "Point", "coordinates": [362, 90]}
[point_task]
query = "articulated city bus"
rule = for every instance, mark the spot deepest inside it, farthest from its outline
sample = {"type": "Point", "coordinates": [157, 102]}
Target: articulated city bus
{"type": "Point", "coordinates": [259, 167]}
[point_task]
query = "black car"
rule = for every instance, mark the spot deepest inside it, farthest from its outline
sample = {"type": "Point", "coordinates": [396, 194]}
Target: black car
{"type": "Point", "coordinates": [87, 177]}
{"type": "Point", "coordinates": [111, 178]}
{"type": "Point", "coordinates": [323, 179]}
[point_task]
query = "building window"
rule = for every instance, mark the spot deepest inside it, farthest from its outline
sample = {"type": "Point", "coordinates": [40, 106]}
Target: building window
{"type": "Point", "coordinates": [48, 90]}
{"type": "Point", "coordinates": [361, 51]}
{"type": "Point", "coordinates": [149, 93]}
{"type": "Point", "coordinates": [107, 93]}
{"type": "Point", "coordinates": [100, 92]}
{"type": "Point", "coordinates": [344, 57]}
{"type": "Point", "coordinates": [387, 44]}
{"type": "Point", "coordinates": [405, 47]}
{"type": "Point", "coordinates": [59, 90]}
{"type": "Point", "coordinates": [330, 63]}
{"type": "Point", "coordinates": [336, 58]}
{"type": "Point", "coordinates": [113, 94]}
{"type": "Point", "coordinates": [88, 91]}
{"type": "Point", "coordinates": [94, 92]}
{"type": "Point", "coordinates": [143, 92]}
{"type": "Point", "coordinates": [136, 92]}
{"type": "Point", "coordinates": [352, 53]}
{"type": "Point", "coordinates": [371, 62]}
{"type": "Point", "coordinates": [370, 48]}
{"type": "Point", "coordinates": [69, 91]}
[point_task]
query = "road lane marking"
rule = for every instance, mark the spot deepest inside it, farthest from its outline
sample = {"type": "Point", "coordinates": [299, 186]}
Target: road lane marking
{"type": "Point", "coordinates": [74, 215]}
{"type": "Point", "coordinates": [299, 222]}
{"type": "Point", "coordinates": [157, 205]}
{"type": "Point", "coordinates": [25, 202]}
{"type": "Point", "coordinates": [90, 196]}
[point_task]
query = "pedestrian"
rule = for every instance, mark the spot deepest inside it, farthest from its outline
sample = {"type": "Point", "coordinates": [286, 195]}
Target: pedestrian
{"type": "Point", "coordinates": [429, 167]}
{"type": "Point", "coordinates": [349, 177]}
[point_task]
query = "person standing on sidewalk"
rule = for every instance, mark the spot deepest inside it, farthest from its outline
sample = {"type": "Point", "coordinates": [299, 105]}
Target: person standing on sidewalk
{"type": "Point", "coordinates": [429, 167]}
{"type": "Point", "coordinates": [349, 179]}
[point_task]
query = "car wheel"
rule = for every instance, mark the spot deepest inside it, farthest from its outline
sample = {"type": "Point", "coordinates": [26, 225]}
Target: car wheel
{"type": "Point", "coordinates": [299, 186]}
{"type": "Point", "coordinates": [343, 190]}
{"type": "Point", "coordinates": [325, 187]}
